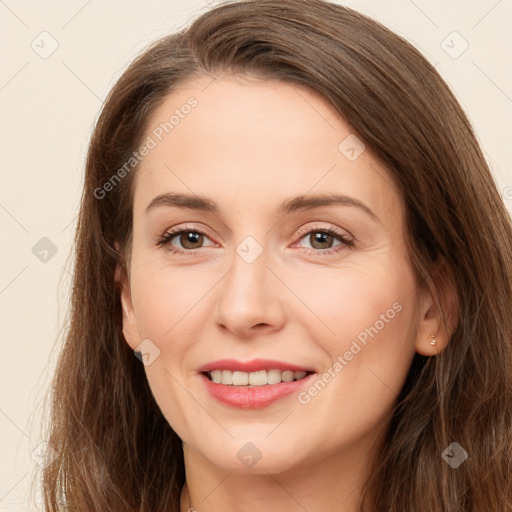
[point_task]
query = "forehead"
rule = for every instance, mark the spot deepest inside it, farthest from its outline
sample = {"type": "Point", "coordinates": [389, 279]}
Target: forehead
{"type": "Point", "coordinates": [250, 143]}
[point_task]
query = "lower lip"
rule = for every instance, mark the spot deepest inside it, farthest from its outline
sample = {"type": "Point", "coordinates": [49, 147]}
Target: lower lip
{"type": "Point", "coordinates": [253, 397]}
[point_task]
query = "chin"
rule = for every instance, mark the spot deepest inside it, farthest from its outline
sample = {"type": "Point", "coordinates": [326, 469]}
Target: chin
{"type": "Point", "coordinates": [252, 455]}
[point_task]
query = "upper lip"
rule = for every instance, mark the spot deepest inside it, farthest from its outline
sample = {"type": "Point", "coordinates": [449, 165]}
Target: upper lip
{"type": "Point", "coordinates": [253, 365]}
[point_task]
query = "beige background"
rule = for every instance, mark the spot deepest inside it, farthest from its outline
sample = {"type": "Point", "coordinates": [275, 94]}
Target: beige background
{"type": "Point", "coordinates": [49, 104]}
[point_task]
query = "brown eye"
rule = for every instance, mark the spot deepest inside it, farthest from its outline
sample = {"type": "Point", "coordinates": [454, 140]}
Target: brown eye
{"type": "Point", "coordinates": [324, 241]}
{"type": "Point", "coordinates": [191, 239]}
{"type": "Point", "coordinates": [321, 240]}
{"type": "Point", "coordinates": [185, 241]}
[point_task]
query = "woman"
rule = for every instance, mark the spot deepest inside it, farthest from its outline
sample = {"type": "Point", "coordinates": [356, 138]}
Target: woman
{"type": "Point", "coordinates": [288, 220]}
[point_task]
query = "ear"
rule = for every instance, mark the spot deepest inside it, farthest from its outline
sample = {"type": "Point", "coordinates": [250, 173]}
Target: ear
{"type": "Point", "coordinates": [437, 321]}
{"type": "Point", "coordinates": [130, 328]}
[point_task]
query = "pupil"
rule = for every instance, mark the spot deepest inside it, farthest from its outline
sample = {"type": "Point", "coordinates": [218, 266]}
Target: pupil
{"type": "Point", "coordinates": [190, 238]}
{"type": "Point", "coordinates": [321, 238]}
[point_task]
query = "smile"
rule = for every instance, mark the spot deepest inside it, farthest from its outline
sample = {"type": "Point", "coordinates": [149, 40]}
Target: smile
{"type": "Point", "coordinates": [258, 378]}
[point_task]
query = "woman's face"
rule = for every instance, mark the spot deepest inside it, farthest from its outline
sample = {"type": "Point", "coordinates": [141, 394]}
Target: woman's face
{"type": "Point", "coordinates": [293, 259]}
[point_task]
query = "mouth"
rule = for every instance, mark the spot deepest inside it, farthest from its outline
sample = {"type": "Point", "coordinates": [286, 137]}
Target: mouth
{"type": "Point", "coordinates": [255, 384]}
{"type": "Point", "coordinates": [259, 378]}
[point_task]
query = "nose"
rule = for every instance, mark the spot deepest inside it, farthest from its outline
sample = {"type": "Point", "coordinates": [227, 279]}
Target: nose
{"type": "Point", "coordinates": [249, 301]}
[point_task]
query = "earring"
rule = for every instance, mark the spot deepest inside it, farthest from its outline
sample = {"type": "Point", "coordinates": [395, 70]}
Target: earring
{"type": "Point", "coordinates": [433, 342]}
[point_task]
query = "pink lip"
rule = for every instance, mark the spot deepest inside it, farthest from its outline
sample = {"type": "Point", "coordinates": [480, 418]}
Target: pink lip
{"type": "Point", "coordinates": [251, 366]}
{"type": "Point", "coordinates": [252, 397]}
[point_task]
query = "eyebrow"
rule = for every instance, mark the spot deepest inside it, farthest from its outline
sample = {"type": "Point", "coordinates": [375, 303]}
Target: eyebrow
{"type": "Point", "coordinates": [302, 202]}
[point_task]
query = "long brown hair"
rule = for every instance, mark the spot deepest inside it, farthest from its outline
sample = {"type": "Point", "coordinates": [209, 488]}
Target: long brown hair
{"type": "Point", "coordinates": [115, 450]}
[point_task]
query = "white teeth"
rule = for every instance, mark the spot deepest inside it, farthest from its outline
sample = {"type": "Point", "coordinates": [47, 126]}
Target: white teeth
{"type": "Point", "coordinates": [274, 376]}
{"type": "Point", "coordinates": [227, 377]}
{"type": "Point", "coordinates": [240, 378]}
{"type": "Point", "coordinates": [287, 376]}
{"type": "Point", "coordinates": [259, 378]}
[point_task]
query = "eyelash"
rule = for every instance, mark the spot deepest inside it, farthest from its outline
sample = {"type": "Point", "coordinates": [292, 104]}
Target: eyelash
{"type": "Point", "coordinates": [346, 243]}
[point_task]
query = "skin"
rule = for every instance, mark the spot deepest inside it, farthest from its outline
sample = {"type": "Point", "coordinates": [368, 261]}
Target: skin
{"type": "Point", "coordinates": [248, 145]}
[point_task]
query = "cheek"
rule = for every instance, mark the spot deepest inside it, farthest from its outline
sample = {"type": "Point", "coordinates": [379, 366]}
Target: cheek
{"type": "Point", "coordinates": [374, 315]}
{"type": "Point", "coordinates": [354, 301]}
{"type": "Point", "coordinates": [162, 298]}
{"type": "Point", "coordinates": [369, 318]}
{"type": "Point", "coordinates": [164, 302]}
